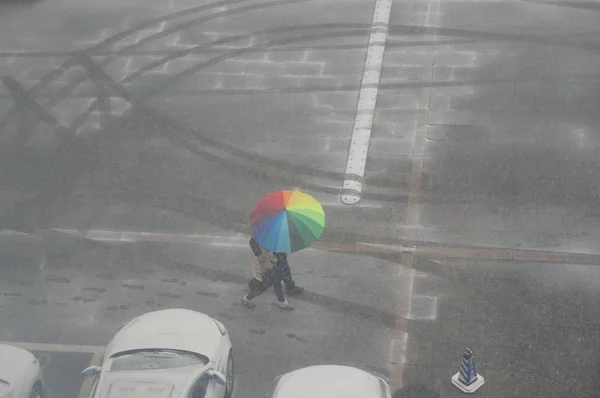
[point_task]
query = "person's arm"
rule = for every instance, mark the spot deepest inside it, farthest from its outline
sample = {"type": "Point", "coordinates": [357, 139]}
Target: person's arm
{"type": "Point", "coordinates": [255, 247]}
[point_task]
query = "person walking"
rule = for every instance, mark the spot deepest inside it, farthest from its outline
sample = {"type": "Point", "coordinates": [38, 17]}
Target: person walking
{"type": "Point", "coordinates": [265, 274]}
{"type": "Point", "coordinates": [282, 263]}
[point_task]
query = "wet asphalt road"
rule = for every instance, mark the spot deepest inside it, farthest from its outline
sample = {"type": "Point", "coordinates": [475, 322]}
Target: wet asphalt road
{"type": "Point", "coordinates": [176, 117]}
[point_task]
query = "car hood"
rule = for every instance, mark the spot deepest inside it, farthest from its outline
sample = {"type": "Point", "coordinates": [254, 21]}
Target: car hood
{"type": "Point", "coordinates": [175, 329]}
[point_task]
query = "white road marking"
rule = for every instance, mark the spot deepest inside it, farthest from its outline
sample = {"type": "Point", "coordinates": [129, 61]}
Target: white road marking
{"type": "Point", "coordinates": [11, 232]}
{"type": "Point", "coordinates": [408, 252]}
{"type": "Point", "coordinates": [340, 205]}
{"type": "Point", "coordinates": [210, 240]}
{"type": "Point", "coordinates": [365, 111]}
{"type": "Point", "coordinates": [135, 236]}
{"type": "Point", "coordinates": [230, 245]}
{"type": "Point", "coordinates": [409, 293]}
{"type": "Point", "coordinates": [398, 350]}
{"type": "Point", "coordinates": [92, 349]}
{"type": "Point", "coordinates": [421, 121]}
{"type": "Point", "coordinates": [423, 307]}
{"type": "Point", "coordinates": [132, 236]}
{"type": "Point", "coordinates": [416, 307]}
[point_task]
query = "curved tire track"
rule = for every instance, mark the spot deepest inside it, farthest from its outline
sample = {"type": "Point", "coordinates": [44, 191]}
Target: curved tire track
{"type": "Point", "coordinates": [56, 73]}
{"type": "Point", "coordinates": [73, 61]}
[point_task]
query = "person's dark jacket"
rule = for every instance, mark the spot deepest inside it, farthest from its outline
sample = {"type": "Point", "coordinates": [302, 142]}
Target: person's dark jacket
{"type": "Point", "coordinates": [282, 259]}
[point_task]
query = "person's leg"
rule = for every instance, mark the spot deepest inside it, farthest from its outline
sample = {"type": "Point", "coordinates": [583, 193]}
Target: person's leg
{"type": "Point", "coordinates": [254, 284]}
{"type": "Point", "coordinates": [257, 288]}
{"type": "Point", "coordinates": [283, 303]}
{"type": "Point", "coordinates": [279, 291]}
{"type": "Point", "coordinates": [290, 285]}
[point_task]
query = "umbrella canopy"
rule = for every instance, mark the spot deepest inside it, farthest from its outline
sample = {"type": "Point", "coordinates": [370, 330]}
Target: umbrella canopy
{"type": "Point", "coordinates": [287, 221]}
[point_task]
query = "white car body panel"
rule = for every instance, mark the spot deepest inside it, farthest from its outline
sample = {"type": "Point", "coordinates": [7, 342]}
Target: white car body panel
{"type": "Point", "coordinates": [147, 383]}
{"type": "Point", "coordinates": [330, 381]}
{"type": "Point", "coordinates": [20, 369]}
{"type": "Point", "coordinates": [176, 329]}
{"type": "Point", "coordinates": [172, 329]}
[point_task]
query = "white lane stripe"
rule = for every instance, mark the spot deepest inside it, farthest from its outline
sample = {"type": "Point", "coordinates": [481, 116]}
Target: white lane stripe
{"type": "Point", "coordinates": [11, 232]}
{"type": "Point", "coordinates": [363, 122]}
{"type": "Point", "coordinates": [134, 236]}
{"type": "Point", "coordinates": [211, 240]}
{"type": "Point", "coordinates": [92, 349]}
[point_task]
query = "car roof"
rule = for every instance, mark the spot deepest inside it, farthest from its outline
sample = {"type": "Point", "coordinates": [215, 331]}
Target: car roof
{"type": "Point", "coordinates": [329, 381]}
{"type": "Point", "coordinates": [176, 329]}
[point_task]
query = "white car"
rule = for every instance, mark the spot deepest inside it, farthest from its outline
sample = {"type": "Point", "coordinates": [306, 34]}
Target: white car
{"type": "Point", "coordinates": [20, 375]}
{"type": "Point", "coordinates": [174, 353]}
{"type": "Point", "coordinates": [330, 381]}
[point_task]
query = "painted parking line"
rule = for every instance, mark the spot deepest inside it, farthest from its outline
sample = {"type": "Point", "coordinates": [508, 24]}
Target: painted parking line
{"type": "Point", "coordinates": [92, 349]}
{"type": "Point", "coordinates": [211, 240]}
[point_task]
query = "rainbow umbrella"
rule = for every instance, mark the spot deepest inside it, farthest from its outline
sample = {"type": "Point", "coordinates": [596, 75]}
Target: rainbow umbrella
{"type": "Point", "coordinates": [287, 221]}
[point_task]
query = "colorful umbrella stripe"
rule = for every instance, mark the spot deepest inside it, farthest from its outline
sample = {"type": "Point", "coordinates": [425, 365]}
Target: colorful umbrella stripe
{"type": "Point", "coordinates": [287, 221]}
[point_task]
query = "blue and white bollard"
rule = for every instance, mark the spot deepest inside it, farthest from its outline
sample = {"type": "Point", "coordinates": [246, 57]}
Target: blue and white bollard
{"type": "Point", "coordinates": [467, 380]}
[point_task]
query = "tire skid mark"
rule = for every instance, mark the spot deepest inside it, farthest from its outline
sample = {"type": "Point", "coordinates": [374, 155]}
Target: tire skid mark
{"type": "Point", "coordinates": [72, 62]}
{"type": "Point", "coordinates": [259, 48]}
{"type": "Point", "coordinates": [67, 139]}
{"type": "Point", "coordinates": [128, 32]}
{"type": "Point", "coordinates": [310, 171]}
{"type": "Point", "coordinates": [228, 55]}
{"type": "Point", "coordinates": [231, 54]}
{"type": "Point", "coordinates": [66, 91]}
{"type": "Point", "coordinates": [172, 130]}
{"type": "Point", "coordinates": [229, 149]}
{"type": "Point", "coordinates": [157, 52]}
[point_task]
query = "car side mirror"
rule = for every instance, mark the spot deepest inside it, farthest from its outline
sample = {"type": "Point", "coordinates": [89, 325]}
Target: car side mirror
{"type": "Point", "coordinates": [91, 371]}
{"type": "Point", "coordinates": [217, 376]}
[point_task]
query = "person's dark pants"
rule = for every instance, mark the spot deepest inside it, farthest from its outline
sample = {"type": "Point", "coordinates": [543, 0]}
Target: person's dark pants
{"type": "Point", "coordinates": [272, 277]}
{"type": "Point", "coordinates": [286, 275]}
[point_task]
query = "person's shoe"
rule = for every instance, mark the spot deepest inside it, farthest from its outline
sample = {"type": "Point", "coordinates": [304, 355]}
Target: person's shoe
{"type": "Point", "coordinates": [248, 303]}
{"type": "Point", "coordinates": [295, 291]}
{"type": "Point", "coordinates": [285, 306]}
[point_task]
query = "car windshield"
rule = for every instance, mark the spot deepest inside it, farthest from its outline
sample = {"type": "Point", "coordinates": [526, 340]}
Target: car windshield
{"type": "Point", "coordinates": [154, 359]}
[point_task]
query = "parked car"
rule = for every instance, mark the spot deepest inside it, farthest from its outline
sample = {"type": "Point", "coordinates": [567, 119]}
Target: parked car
{"type": "Point", "coordinates": [174, 353]}
{"type": "Point", "coordinates": [328, 381]}
{"type": "Point", "coordinates": [20, 374]}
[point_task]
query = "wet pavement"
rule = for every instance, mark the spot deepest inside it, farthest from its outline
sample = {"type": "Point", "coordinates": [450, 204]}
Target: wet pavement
{"type": "Point", "coordinates": [169, 120]}
{"type": "Point", "coordinates": [62, 371]}
{"type": "Point", "coordinates": [87, 290]}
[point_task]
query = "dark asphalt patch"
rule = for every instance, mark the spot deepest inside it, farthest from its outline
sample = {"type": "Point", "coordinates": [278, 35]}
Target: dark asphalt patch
{"type": "Point", "coordinates": [62, 372]}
